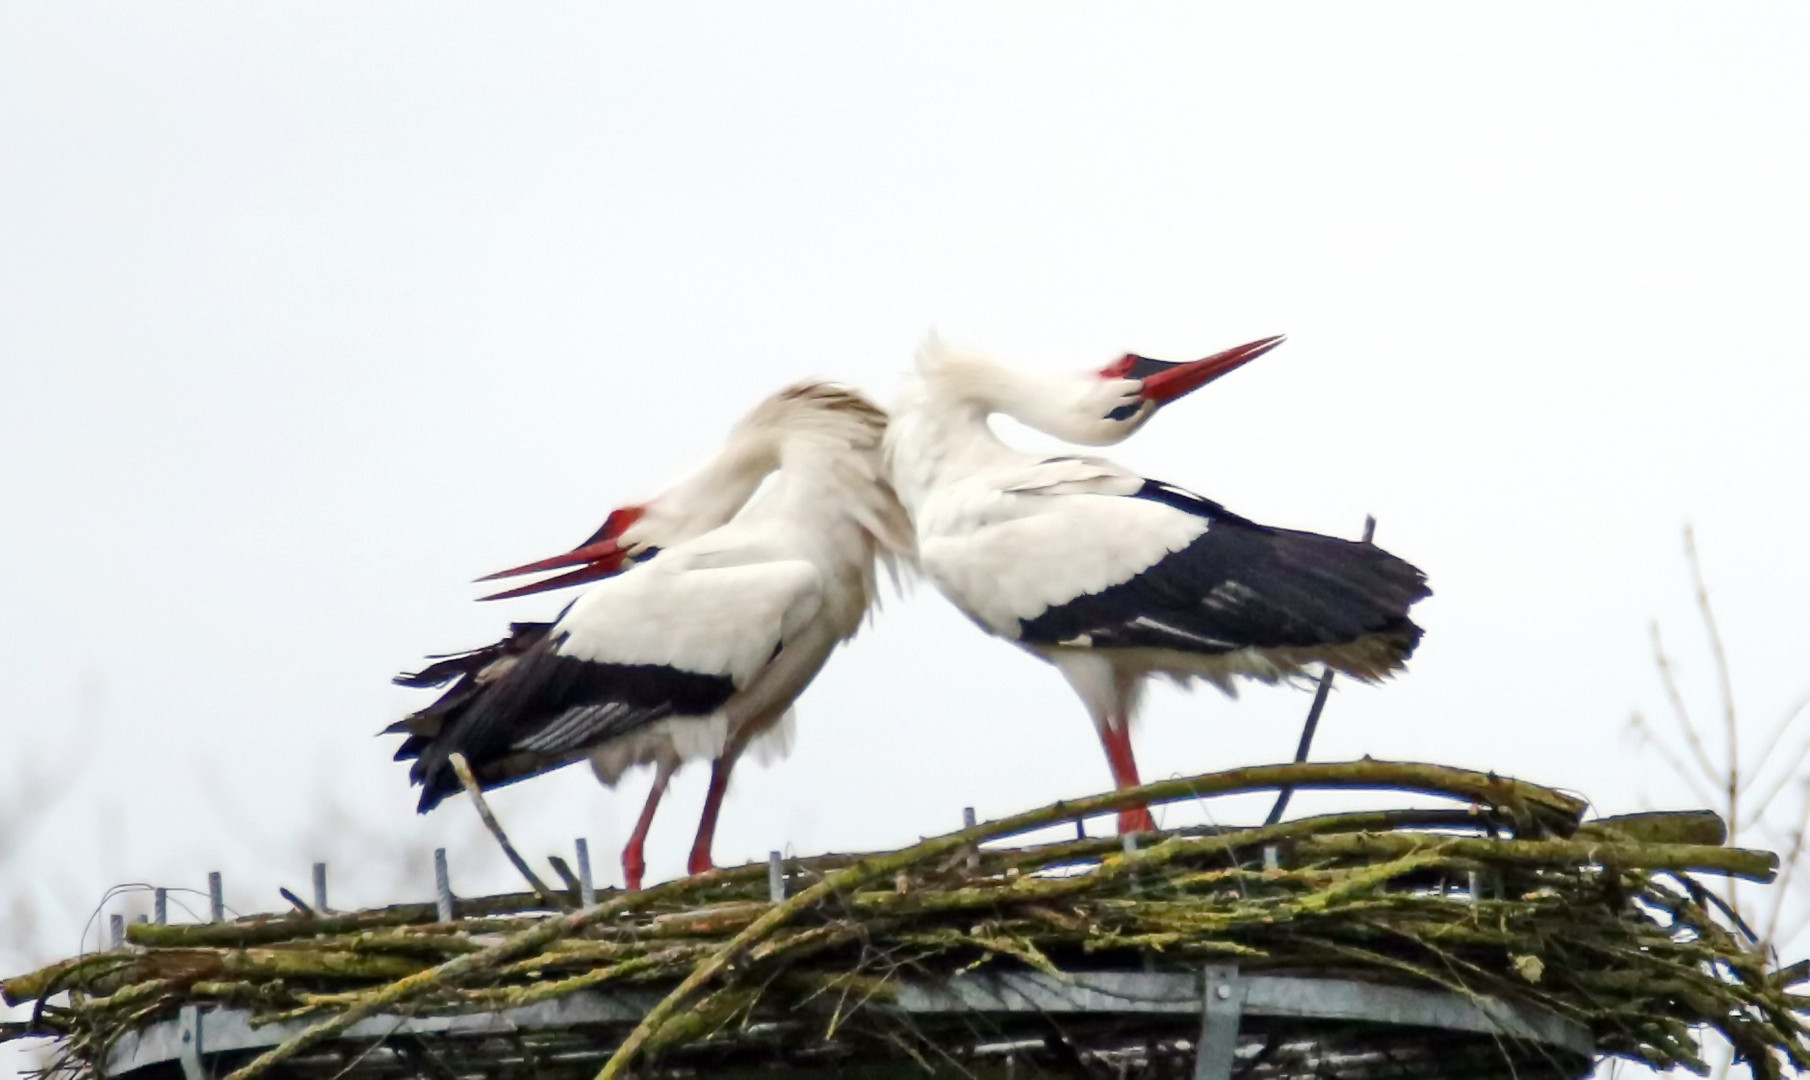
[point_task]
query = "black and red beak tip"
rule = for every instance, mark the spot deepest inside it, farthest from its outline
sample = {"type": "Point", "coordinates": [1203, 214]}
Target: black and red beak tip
{"type": "Point", "coordinates": [592, 572]}
{"type": "Point", "coordinates": [600, 545]}
{"type": "Point", "coordinates": [1164, 382]}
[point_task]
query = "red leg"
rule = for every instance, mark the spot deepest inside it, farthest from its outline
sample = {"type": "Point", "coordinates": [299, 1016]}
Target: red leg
{"type": "Point", "coordinates": [1115, 736]}
{"type": "Point", "coordinates": [634, 864]}
{"type": "Point", "coordinates": [713, 804]}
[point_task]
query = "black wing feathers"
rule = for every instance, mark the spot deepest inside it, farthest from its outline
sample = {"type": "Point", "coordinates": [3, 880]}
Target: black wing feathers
{"type": "Point", "coordinates": [1243, 585]}
{"type": "Point", "coordinates": [518, 708]}
{"type": "Point", "coordinates": [472, 671]}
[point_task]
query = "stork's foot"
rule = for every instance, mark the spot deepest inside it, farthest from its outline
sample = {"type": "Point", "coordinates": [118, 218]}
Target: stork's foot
{"type": "Point", "coordinates": [1136, 820]}
{"type": "Point", "coordinates": [699, 862]}
{"type": "Point", "coordinates": [634, 867]}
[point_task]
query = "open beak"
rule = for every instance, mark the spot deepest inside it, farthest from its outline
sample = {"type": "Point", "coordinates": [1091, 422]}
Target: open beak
{"type": "Point", "coordinates": [598, 557]}
{"type": "Point", "coordinates": [1164, 381]}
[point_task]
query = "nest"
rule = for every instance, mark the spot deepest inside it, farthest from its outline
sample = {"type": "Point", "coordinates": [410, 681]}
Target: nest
{"type": "Point", "coordinates": [1509, 895]}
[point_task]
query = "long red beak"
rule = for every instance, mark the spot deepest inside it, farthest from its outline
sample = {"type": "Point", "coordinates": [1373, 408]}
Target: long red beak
{"type": "Point", "coordinates": [598, 557]}
{"type": "Point", "coordinates": [1164, 381]}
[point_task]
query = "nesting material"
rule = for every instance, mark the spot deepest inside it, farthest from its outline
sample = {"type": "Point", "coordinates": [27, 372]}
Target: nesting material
{"type": "Point", "coordinates": [1508, 894]}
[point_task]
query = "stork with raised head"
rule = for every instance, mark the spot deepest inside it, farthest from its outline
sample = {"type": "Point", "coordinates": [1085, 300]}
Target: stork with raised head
{"type": "Point", "coordinates": [699, 652]}
{"type": "Point", "coordinates": [631, 534]}
{"type": "Point", "coordinates": [1114, 577]}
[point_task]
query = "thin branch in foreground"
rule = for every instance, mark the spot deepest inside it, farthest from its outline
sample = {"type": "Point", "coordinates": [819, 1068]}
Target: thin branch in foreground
{"type": "Point", "coordinates": [1732, 730]}
{"type": "Point", "coordinates": [1685, 724]}
{"type": "Point", "coordinates": [1652, 739]}
{"type": "Point", "coordinates": [1788, 775]}
{"type": "Point", "coordinates": [545, 894]}
{"type": "Point", "coordinates": [1789, 865]}
{"type": "Point", "coordinates": [1778, 734]}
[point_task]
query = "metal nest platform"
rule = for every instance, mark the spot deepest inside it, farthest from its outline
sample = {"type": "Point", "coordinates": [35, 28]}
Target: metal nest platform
{"type": "Point", "coordinates": [1209, 1026]}
{"type": "Point", "coordinates": [1504, 936]}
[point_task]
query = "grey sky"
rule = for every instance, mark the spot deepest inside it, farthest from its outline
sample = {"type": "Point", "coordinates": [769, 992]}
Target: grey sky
{"type": "Point", "coordinates": [309, 314]}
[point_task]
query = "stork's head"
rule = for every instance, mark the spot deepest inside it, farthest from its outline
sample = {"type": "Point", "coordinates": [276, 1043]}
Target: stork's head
{"type": "Point", "coordinates": [1096, 408]}
{"type": "Point", "coordinates": [812, 411]}
{"type": "Point", "coordinates": [609, 550]}
{"type": "Point", "coordinates": [1119, 398]}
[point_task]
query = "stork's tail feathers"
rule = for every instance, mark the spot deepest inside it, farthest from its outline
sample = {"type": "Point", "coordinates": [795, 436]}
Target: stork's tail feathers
{"type": "Point", "coordinates": [1250, 599]}
{"type": "Point", "coordinates": [1320, 599]}
{"type": "Point", "coordinates": [1358, 596]}
{"type": "Point", "coordinates": [469, 673]}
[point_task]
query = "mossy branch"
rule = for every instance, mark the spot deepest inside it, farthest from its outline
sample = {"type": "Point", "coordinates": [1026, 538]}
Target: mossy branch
{"type": "Point", "coordinates": [1736, 862]}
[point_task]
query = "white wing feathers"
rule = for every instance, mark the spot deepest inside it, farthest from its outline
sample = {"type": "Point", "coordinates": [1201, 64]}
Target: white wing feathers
{"type": "Point", "coordinates": [1009, 544]}
{"type": "Point", "coordinates": [1069, 476]}
{"type": "Point", "coordinates": [711, 620]}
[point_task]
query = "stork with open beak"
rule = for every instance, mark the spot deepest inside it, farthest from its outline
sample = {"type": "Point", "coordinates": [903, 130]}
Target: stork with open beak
{"type": "Point", "coordinates": [629, 535]}
{"type": "Point", "coordinates": [708, 619]}
{"type": "Point", "coordinates": [1114, 577]}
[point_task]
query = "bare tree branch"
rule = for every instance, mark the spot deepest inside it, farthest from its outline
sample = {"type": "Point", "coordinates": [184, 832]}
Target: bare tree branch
{"type": "Point", "coordinates": [1652, 738]}
{"type": "Point", "coordinates": [1731, 730]}
{"type": "Point", "coordinates": [1685, 724]}
{"type": "Point", "coordinates": [1787, 871]}
{"type": "Point", "coordinates": [1754, 793]}
{"type": "Point", "coordinates": [1777, 929]}
{"type": "Point", "coordinates": [1778, 734]}
{"type": "Point", "coordinates": [1785, 778]}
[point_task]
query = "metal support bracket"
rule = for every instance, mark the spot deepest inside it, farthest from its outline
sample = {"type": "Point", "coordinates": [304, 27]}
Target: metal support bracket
{"type": "Point", "coordinates": [188, 1052]}
{"type": "Point", "coordinates": [1222, 995]}
{"type": "Point", "coordinates": [776, 876]}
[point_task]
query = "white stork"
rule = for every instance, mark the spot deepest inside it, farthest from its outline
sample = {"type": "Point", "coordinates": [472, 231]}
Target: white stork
{"type": "Point", "coordinates": [696, 653]}
{"type": "Point", "coordinates": [1111, 576]}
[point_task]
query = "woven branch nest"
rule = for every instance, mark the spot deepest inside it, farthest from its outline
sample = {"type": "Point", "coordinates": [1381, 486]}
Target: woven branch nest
{"type": "Point", "coordinates": [1602, 922]}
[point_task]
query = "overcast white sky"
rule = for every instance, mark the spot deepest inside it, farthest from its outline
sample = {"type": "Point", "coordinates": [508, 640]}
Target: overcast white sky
{"type": "Point", "coordinates": [309, 314]}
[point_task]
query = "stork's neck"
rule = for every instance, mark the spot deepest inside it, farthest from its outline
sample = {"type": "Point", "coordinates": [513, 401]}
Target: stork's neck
{"type": "Point", "coordinates": [829, 503]}
{"type": "Point", "coordinates": [940, 433]}
{"type": "Point", "coordinates": [841, 486]}
{"type": "Point", "coordinates": [714, 493]}
{"type": "Point", "coordinates": [955, 392]}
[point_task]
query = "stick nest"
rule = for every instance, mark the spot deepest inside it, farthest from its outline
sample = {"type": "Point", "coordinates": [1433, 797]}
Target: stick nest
{"type": "Point", "coordinates": [1603, 922]}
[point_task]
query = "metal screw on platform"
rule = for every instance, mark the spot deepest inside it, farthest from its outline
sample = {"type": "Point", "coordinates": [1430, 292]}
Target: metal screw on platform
{"type": "Point", "coordinates": [776, 877]}
{"type": "Point", "coordinates": [1272, 857]}
{"type": "Point", "coordinates": [443, 897]}
{"type": "Point", "coordinates": [116, 930]}
{"type": "Point", "coordinates": [587, 892]}
{"type": "Point", "coordinates": [216, 897]}
{"type": "Point", "coordinates": [1475, 885]}
{"type": "Point", "coordinates": [968, 820]}
{"type": "Point", "coordinates": [320, 888]}
{"type": "Point", "coordinates": [160, 905]}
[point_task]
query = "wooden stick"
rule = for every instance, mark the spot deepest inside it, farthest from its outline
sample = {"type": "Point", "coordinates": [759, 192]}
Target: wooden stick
{"type": "Point", "coordinates": [564, 870]}
{"type": "Point", "coordinates": [296, 901]}
{"type": "Point", "coordinates": [1735, 862]}
{"type": "Point", "coordinates": [1312, 724]}
{"type": "Point", "coordinates": [491, 956]}
{"type": "Point", "coordinates": [457, 760]}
